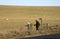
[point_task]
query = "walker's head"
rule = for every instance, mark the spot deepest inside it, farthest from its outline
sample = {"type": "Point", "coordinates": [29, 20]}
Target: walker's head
{"type": "Point", "coordinates": [37, 20]}
{"type": "Point", "coordinates": [28, 22]}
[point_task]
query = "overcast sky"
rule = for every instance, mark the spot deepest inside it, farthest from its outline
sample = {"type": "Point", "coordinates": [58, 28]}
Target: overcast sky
{"type": "Point", "coordinates": [31, 2]}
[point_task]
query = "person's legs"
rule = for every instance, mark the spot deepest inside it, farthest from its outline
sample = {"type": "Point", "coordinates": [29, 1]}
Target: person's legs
{"type": "Point", "coordinates": [36, 28]}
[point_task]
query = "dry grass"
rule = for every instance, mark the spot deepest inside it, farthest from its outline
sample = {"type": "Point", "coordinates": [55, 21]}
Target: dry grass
{"type": "Point", "coordinates": [18, 16]}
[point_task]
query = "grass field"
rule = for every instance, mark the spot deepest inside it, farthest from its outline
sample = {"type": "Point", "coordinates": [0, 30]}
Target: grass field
{"type": "Point", "coordinates": [15, 17]}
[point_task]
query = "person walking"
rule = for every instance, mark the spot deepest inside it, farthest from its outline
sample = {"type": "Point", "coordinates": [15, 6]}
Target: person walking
{"type": "Point", "coordinates": [37, 25]}
{"type": "Point", "coordinates": [29, 27]}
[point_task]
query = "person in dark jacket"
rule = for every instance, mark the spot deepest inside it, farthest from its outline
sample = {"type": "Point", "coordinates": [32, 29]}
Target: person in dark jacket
{"type": "Point", "coordinates": [37, 25]}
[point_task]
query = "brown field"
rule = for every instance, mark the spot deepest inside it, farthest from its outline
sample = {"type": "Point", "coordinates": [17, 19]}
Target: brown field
{"type": "Point", "coordinates": [14, 18]}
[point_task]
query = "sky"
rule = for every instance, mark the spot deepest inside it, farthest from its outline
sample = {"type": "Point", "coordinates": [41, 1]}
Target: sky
{"type": "Point", "coordinates": [31, 2]}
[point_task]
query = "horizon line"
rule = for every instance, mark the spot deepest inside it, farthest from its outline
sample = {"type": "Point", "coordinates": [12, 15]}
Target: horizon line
{"type": "Point", "coordinates": [26, 5]}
